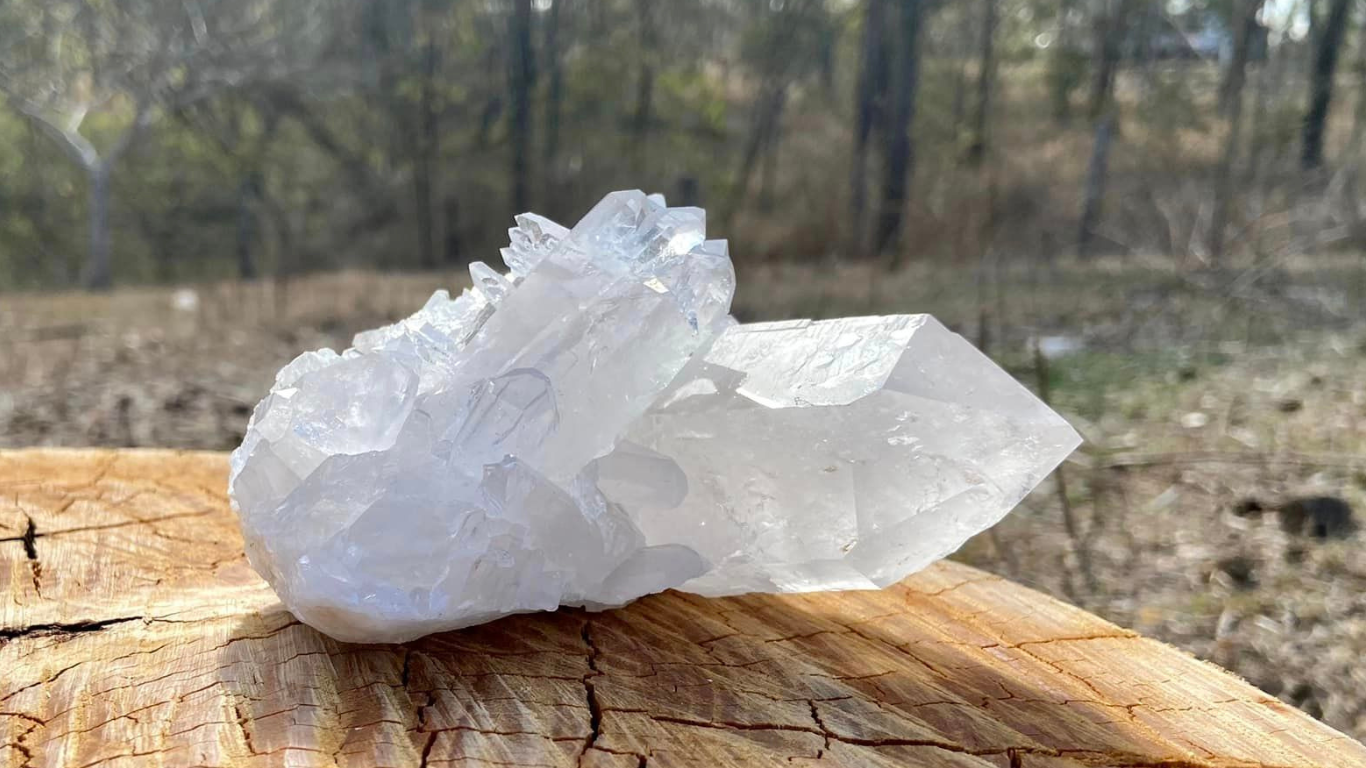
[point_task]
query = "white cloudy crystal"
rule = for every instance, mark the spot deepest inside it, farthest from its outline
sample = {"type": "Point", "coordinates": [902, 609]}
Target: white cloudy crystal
{"type": "Point", "coordinates": [593, 427]}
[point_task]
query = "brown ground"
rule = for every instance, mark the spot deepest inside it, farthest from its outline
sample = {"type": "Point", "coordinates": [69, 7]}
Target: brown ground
{"type": "Point", "coordinates": [1196, 392]}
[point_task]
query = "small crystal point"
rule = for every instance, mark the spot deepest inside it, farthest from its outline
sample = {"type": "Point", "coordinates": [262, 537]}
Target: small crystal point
{"type": "Point", "coordinates": [489, 282]}
{"type": "Point", "coordinates": [531, 241]}
{"type": "Point", "coordinates": [594, 426]}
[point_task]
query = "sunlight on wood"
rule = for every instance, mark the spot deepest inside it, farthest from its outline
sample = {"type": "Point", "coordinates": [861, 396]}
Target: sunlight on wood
{"type": "Point", "coordinates": [133, 632]}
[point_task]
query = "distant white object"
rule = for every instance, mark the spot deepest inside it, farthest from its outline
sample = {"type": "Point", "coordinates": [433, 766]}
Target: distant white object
{"type": "Point", "coordinates": [593, 427]}
{"type": "Point", "coordinates": [1053, 347]}
{"type": "Point", "coordinates": [1194, 420]}
{"type": "Point", "coordinates": [185, 300]}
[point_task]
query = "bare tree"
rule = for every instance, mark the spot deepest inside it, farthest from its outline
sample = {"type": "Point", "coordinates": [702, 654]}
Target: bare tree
{"type": "Point", "coordinates": [959, 50]}
{"type": "Point", "coordinates": [378, 202]}
{"type": "Point", "coordinates": [64, 60]}
{"type": "Point", "coordinates": [986, 72]}
{"type": "Point", "coordinates": [872, 77]}
{"type": "Point", "coordinates": [243, 130]}
{"type": "Point", "coordinates": [782, 47]}
{"type": "Point", "coordinates": [1097, 172]}
{"type": "Point", "coordinates": [763, 135]}
{"type": "Point", "coordinates": [900, 153]}
{"type": "Point", "coordinates": [555, 97]}
{"type": "Point", "coordinates": [405, 46]}
{"type": "Point", "coordinates": [1231, 102]}
{"type": "Point", "coordinates": [1107, 47]}
{"type": "Point", "coordinates": [645, 79]}
{"type": "Point", "coordinates": [521, 82]}
{"type": "Point", "coordinates": [1244, 30]}
{"type": "Point", "coordinates": [1327, 45]}
{"type": "Point", "coordinates": [1064, 70]}
{"type": "Point", "coordinates": [1359, 108]}
{"type": "Point", "coordinates": [1109, 34]}
{"type": "Point", "coordinates": [427, 150]}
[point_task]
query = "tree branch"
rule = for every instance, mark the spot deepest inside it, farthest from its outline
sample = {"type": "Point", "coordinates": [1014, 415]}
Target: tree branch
{"type": "Point", "coordinates": [73, 143]}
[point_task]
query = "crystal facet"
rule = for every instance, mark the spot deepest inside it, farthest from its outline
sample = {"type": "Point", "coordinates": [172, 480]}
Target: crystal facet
{"type": "Point", "coordinates": [593, 427]}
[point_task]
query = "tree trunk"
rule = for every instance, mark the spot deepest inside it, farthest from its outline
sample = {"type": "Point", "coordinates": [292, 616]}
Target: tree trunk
{"type": "Point", "coordinates": [134, 632]}
{"type": "Point", "coordinates": [645, 89]}
{"type": "Point", "coordinates": [1108, 47]}
{"type": "Point", "coordinates": [1151, 22]}
{"type": "Point", "coordinates": [960, 50]}
{"type": "Point", "coordinates": [1268, 83]}
{"type": "Point", "coordinates": [427, 161]}
{"type": "Point", "coordinates": [1327, 45]}
{"type": "Point", "coordinates": [689, 192]}
{"type": "Point", "coordinates": [422, 205]}
{"type": "Point", "coordinates": [251, 191]}
{"type": "Point", "coordinates": [1096, 176]}
{"type": "Point", "coordinates": [1062, 65]}
{"type": "Point", "coordinates": [1244, 27]}
{"type": "Point", "coordinates": [248, 196]}
{"type": "Point", "coordinates": [1352, 155]}
{"type": "Point", "coordinates": [1231, 96]}
{"type": "Point", "coordinates": [768, 111]}
{"type": "Point", "coordinates": [1314, 17]}
{"type": "Point", "coordinates": [555, 95]}
{"type": "Point", "coordinates": [1359, 112]}
{"type": "Point", "coordinates": [97, 274]}
{"type": "Point", "coordinates": [522, 81]}
{"type": "Point", "coordinates": [977, 148]}
{"type": "Point", "coordinates": [645, 82]}
{"type": "Point", "coordinates": [455, 246]}
{"type": "Point", "coordinates": [865, 106]}
{"type": "Point", "coordinates": [773, 136]}
{"type": "Point", "coordinates": [900, 154]}
{"type": "Point", "coordinates": [1109, 33]}
{"type": "Point", "coordinates": [1223, 180]}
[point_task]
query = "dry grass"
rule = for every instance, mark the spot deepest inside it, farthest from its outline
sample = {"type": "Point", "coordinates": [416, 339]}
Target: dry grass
{"type": "Point", "coordinates": [174, 368]}
{"type": "Point", "coordinates": [1173, 452]}
{"type": "Point", "coordinates": [1195, 391]}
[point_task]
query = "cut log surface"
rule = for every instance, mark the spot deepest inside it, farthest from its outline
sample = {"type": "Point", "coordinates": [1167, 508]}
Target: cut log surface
{"type": "Point", "coordinates": [133, 632]}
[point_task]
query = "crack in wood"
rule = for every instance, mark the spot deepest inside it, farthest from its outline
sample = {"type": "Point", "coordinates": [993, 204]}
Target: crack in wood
{"type": "Point", "coordinates": [594, 708]}
{"type": "Point", "coordinates": [242, 725]}
{"type": "Point", "coordinates": [19, 743]}
{"type": "Point", "coordinates": [426, 755]}
{"type": "Point", "coordinates": [420, 716]}
{"type": "Point", "coordinates": [58, 628]}
{"type": "Point", "coordinates": [816, 717]}
{"type": "Point", "coordinates": [29, 538]}
{"type": "Point", "coordinates": [31, 535]}
{"type": "Point", "coordinates": [30, 544]}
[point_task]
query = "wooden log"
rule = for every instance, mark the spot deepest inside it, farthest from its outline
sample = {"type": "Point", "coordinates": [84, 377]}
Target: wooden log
{"type": "Point", "coordinates": [133, 632]}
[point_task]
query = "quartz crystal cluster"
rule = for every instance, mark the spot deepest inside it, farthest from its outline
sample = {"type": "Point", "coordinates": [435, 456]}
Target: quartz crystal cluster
{"type": "Point", "coordinates": [592, 426]}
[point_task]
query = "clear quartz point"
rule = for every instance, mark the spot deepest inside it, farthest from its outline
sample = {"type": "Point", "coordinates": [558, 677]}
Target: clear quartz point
{"type": "Point", "coordinates": [594, 427]}
{"type": "Point", "coordinates": [489, 282]}
{"type": "Point", "coordinates": [530, 241]}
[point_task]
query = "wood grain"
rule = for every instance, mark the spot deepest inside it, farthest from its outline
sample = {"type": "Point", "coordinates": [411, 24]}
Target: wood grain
{"type": "Point", "coordinates": [132, 632]}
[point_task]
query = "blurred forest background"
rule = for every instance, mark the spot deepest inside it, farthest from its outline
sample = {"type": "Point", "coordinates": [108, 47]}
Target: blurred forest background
{"type": "Point", "coordinates": [175, 140]}
{"type": "Point", "coordinates": [1150, 211]}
